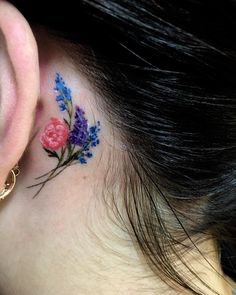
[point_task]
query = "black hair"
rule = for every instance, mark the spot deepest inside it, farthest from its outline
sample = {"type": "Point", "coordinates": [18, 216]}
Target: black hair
{"type": "Point", "coordinates": [166, 70]}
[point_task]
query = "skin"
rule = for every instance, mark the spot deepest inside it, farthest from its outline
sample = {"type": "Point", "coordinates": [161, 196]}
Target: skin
{"type": "Point", "coordinates": [63, 241]}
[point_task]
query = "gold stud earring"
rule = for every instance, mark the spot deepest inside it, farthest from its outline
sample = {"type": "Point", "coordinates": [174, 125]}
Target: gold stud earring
{"type": "Point", "coordinates": [10, 182]}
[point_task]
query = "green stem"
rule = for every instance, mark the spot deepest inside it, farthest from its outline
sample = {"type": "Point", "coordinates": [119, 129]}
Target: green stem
{"type": "Point", "coordinates": [58, 164]}
{"type": "Point", "coordinates": [43, 184]}
{"type": "Point", "coordinates": [51, 176]}
{"type": "Point", "coordinates": [69, 109]}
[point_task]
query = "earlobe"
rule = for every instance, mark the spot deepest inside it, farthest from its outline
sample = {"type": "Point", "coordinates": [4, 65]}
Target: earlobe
{"type": "Point", "coordinates": [19, 84]}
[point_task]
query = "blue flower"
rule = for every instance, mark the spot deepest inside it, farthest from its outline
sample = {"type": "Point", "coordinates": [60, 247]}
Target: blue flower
{"type": "Point", "coordinates": [89, 155]}
{"type": "Point", "coordinates": [82, 160]}
{"type": "Point", "coordinates": [93, 134]}
{"type": "Point", "coordinates": [62, 106]}
{"type": "Point", "coordinates": [78, 135]}
{"type": "Point", "coordinates": [59, 97]}
{"type": "Point", "coordinates": [64, 93]}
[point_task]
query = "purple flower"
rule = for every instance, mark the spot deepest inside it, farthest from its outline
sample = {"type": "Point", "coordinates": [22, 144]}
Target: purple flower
{"type": "Point", "coordinates": [78, 135]}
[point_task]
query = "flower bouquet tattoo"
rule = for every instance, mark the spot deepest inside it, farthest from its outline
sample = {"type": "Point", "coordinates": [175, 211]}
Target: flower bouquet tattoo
{"type": "Point", "coordinates": [69, 141]}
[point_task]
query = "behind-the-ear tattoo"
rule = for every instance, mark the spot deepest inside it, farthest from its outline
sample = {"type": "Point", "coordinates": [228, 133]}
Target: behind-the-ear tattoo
{"type": "Point", "coordinates": [69, 140]}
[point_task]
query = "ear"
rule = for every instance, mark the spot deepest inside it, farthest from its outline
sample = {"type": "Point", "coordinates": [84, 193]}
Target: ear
{"type": "Point", "coordinates": [19, 86]}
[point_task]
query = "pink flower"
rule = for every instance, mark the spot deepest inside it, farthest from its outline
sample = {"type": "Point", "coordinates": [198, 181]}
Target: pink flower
{"type": "Point", "coordinates": [55, 134]}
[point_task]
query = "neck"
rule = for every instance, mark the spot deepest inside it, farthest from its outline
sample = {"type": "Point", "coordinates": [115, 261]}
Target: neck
{"type": "Point", "coordinates": [78, 257]}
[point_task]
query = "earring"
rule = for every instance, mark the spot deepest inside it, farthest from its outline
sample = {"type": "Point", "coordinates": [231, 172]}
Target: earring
{"type": "Point", "coordinates": [10, 182]}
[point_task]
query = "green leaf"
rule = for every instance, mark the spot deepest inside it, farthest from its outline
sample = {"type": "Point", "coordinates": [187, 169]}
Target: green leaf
{"type": "Point", "coordinates": [53, 156]}
{"type": "Point", "coordinates": [51, 153]}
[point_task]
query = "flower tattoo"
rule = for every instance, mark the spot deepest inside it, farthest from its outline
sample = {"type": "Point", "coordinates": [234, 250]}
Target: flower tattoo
{"type": "Point", "coordinates": [55, 134]}
{"type": "Point", "coordinates": [70, 140]}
